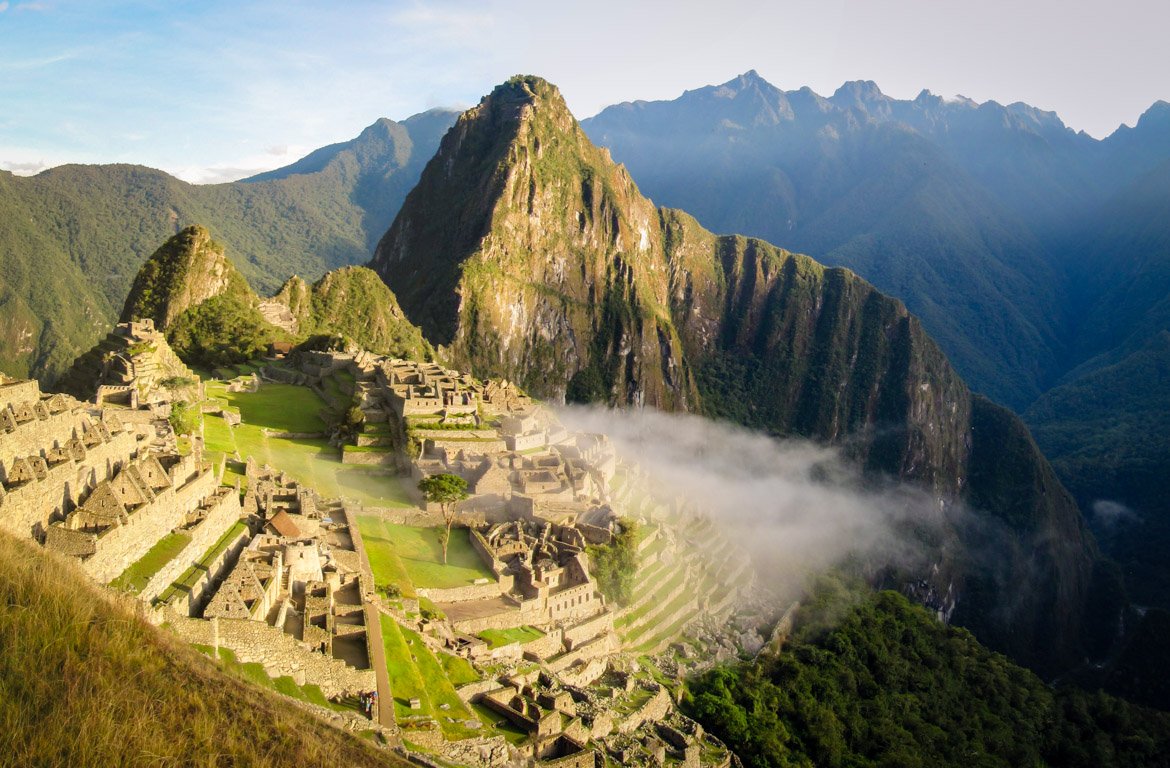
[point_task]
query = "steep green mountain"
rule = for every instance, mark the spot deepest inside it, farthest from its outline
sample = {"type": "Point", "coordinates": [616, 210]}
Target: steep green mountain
{"type": "Point", "coordinates": [186, 271]}
{"type": "Point", "coordinates": [353, 302]}
{"type": "Point", "coordinates": [212, 317]}
{"type": "Point", "coordinates": [853, 695]}
{"type": "Point", "coordinates": [1037, 257]}
{"type": "Point", "coordinates": [1105, 425]}
{"type": "Point", "coordinates": [527, 253]}
{"type": "Point", "coordinates": [72, 238]}
{"type": "Point", "coordinates": [84, 681]}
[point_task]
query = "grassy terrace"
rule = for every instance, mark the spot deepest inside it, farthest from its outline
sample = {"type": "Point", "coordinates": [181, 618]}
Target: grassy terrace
{"type": "Point", "coordinates": [286, 685]}
{"type": "Point", "coordinates": [412, 557]}
{"type": "Point", "coordinates": [648, 630]}
{"type": "Point", "coordinates": [135, 578]}
{"type": "Point", "coordinates": [192, 575]}
{"type": "Point", "coordinates": [678, 575]}
{"type": "Point", "coordinates": [415, 673]}
{"type": "Point", "coordinates": [500, 637]}
{"type": "Point", "coordinates": [311, 461]}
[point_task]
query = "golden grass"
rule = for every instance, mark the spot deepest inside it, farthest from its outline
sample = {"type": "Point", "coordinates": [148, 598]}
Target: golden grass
{"type": "Point", "coordinates": [84, 682]}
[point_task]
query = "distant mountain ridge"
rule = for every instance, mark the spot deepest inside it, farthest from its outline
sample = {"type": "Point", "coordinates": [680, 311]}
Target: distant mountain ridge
{"type": "Point", "coordinates": [72, 238]}
{"type": "Point", "coordinates": [958, 208]}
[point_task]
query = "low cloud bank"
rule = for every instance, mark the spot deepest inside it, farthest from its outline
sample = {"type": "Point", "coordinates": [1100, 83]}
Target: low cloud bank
{"type": "Point", "coordinates": [794, 506]}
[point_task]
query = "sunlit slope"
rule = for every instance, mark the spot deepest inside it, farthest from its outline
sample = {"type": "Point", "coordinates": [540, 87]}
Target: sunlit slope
{"type": "Point", "coordinates": [83, 682]}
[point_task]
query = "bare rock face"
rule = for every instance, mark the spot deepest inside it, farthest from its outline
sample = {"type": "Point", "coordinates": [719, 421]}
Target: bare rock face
{"type": "Point", "coordinates": [526, 253]}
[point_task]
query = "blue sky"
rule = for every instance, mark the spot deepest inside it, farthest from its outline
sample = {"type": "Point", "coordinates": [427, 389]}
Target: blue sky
{"type": "Point", "coordinates": [217, 90]}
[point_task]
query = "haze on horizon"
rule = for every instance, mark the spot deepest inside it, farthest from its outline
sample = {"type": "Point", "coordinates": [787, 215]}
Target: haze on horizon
{"type": "Point", "coordinates": [215, 91]}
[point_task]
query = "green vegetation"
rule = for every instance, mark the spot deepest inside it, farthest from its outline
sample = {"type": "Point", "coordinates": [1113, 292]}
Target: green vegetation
{"type": "Point", "coordinates": [139, 574]}
{"type": "Point", "coordinates": [500, 637]}
{"type": "Point", "coordinates": [184, 418]}
{"type": "Point", "coordinates": [77, 234]}
{"type": "Point", "coordinates": [85, 682]}
{"type": "Point", "coordinates": [221, 331]}
{"type": "Point", "coordinates": [615, 564]}
{"type": "Point", "coordinates": [882, 683]}
{"type": "Point", "coordinates": [189, 578]}
{"type": "Point", "coordinates": [286, 685]}
{"type": "Point", "coordinates": [415, 673]}
{"type": "Point", "coordinates": [311, 461]}
{"type": "Point", "coordinates": [446, 490]}
{"type": "Point", "coordinates": [411, 557]}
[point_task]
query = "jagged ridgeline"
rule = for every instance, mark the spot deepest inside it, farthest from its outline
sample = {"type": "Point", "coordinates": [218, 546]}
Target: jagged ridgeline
{"type": "Point", "coordinates": [529, 254]}
{"type": "Point", "coordinates": [211, 316]}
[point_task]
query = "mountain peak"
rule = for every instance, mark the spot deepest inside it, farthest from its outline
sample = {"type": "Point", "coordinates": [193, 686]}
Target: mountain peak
{"type": "Point", "coordinates": [185, 271]}
{"type": "Point", "coordinates": [859, 91]}
{"type": "Point", "coordinates": [1157, 114]}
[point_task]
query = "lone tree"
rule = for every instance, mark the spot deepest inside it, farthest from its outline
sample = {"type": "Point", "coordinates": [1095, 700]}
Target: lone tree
{"type": "Point", "coordinates": [446, 490]}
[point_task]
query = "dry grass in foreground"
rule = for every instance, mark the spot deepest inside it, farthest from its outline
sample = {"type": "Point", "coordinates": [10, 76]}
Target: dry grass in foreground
{"type": "Point", "coordinates": [84, 682]}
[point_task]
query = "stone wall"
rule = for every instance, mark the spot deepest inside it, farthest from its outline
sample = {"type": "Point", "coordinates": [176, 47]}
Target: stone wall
{"type": "Point", "coordinates": [202, 590]}
{"type": "Point", "coordinates": [464, 594]}
{"type": "Point", "coordinates": [586, 652]}
{"type": "Point", "coordinates": [368, 458]}
{"type": "Point", "coordinates": [121, 545]}
{"type": "Point", "coordinates": [548, 645]}
{"type": "Point", "coordinates": [254, 642]}
{"type": "Point", "coordinates": [27, 509]}
{"type": "Point", "coordinates": [655, 709]}
{"type": "Point", "coordinates": [588, 629]}
{"type": "Point", "coordinates": [224, 511]}
{"type": "Point", "coordinates": [18, 392]}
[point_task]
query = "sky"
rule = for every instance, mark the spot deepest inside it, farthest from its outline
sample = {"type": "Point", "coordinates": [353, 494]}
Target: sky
{"type": "Point", "coordinates": [214, 91]}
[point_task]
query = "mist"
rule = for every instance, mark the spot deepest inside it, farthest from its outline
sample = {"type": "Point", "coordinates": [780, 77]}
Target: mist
{"type": "Point", "coordinates": [797, 508]}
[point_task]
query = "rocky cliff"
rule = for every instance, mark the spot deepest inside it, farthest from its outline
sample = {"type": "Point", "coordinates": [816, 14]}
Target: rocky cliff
{"type": "Point", "coordinates": [527, 253]}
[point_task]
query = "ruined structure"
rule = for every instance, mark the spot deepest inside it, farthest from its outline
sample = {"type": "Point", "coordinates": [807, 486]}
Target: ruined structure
{"type": "Point", "coordinates": [133, 366]}
{"type": "Point", "coordinates": [54, 451]}
{"type": "Point", "coordinates": [292, 597]}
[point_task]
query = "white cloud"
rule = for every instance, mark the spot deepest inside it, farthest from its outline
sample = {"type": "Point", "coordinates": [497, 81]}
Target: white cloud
{"type": "Point", "coordinates": [24, 168]}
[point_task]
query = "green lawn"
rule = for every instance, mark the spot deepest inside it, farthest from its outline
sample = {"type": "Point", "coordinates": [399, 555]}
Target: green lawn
{"type": "Point", "coordinates": [280, 407]}
{"type": "Point", "coordinates": [312, 462]}
{"type": "Point", "coordinates": [459, 670]}
{"type": "Point", "coordinates": [405, 680]}
{"type": "Point", "coordinates": [439, 689]}
{"type": "Point", "coordinates": [136, 577]}
{"type": "Point", "coordinates": [412, 557]}
{"type": "Point", "coordinates": [499, 637]}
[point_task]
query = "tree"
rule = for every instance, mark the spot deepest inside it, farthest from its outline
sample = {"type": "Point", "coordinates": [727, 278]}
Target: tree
{"type": "Point", "coordinates": [184, 417]}
{"type": "Point", "coordinates": [446, 490]}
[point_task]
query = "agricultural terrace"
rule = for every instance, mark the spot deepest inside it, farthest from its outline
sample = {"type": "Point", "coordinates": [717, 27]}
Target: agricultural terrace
{"type": "Point", "coordinates": [417, 672]}
{"type": "Point", "coordinates": [310, 461]}
{"type": "Point", "coordinates": [411, 557]}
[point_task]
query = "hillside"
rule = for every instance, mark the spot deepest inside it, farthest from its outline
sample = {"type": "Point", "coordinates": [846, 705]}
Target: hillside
{"type": "Point", "coordinates": [72, 238]}
{"type": "Point", "coordinates": [847, 691]}
{"type": "Point", "coordinates": [528, 254]}
{"type": "Point", "coordinates": [85, 682]}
